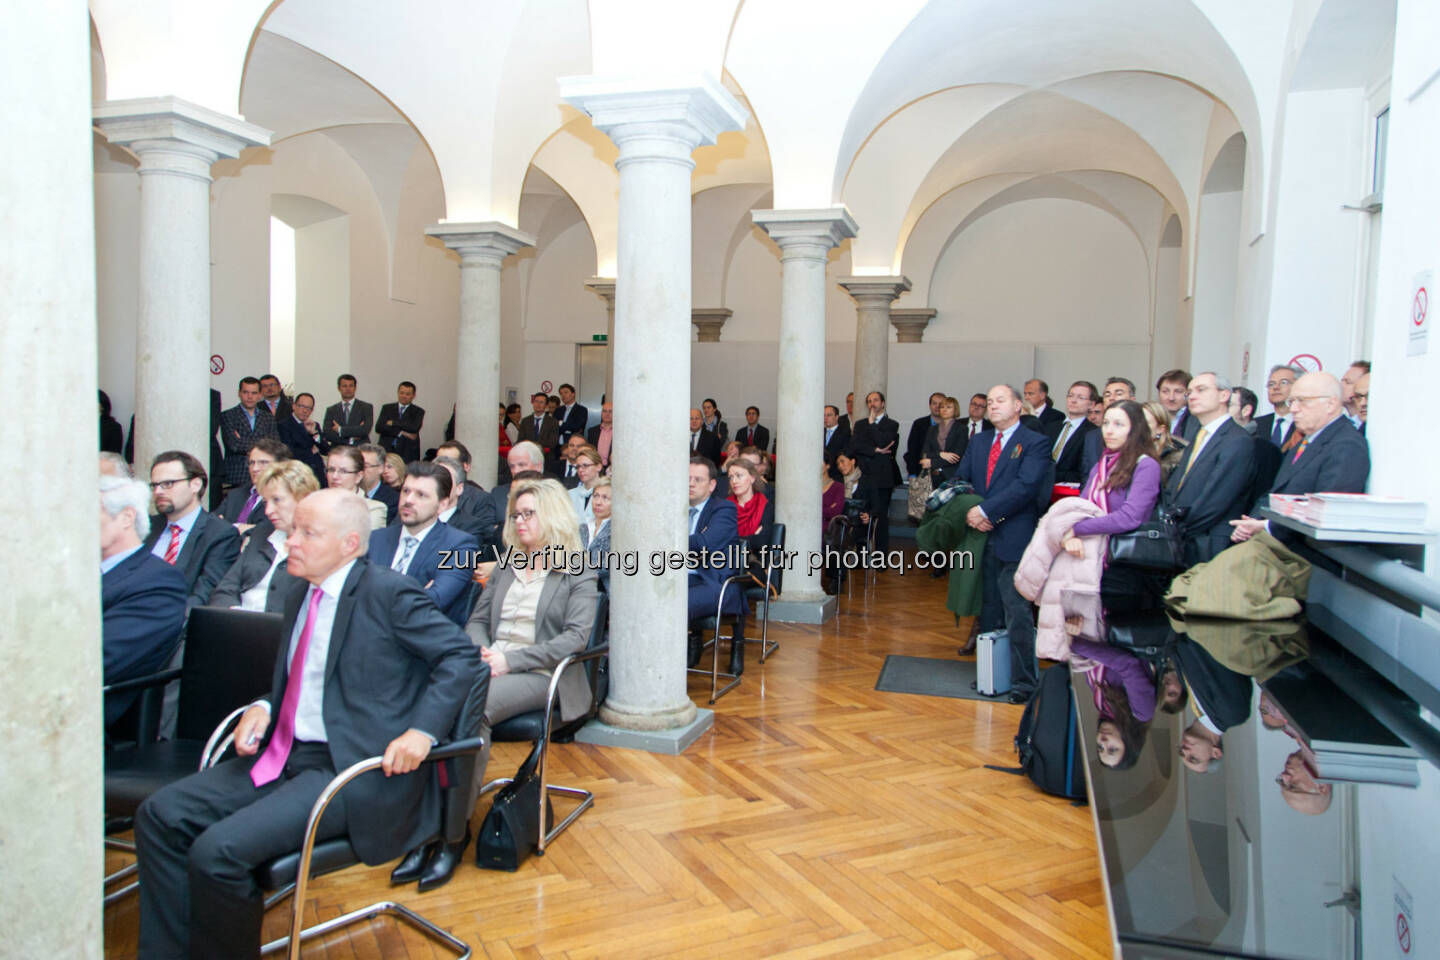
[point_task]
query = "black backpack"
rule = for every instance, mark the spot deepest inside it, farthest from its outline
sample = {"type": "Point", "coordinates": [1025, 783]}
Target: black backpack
{"type": "Point", "coordinates": [1048, 740]}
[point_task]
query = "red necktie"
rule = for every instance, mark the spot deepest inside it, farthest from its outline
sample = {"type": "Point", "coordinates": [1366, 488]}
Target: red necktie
{"type": "Point", "coordinates": [1299, 450]}
{"type": "Point", "coordinates": [272, 761]}
{"type": "Point", "coordinates": [994, 459]}
{"type": "Point", "coordinates": [172, 549]}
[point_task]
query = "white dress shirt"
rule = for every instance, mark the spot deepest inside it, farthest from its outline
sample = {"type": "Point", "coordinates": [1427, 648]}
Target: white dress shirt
{"type": "Point", "coordinates": [405, 534]}
{"type": "Point", "coordinates": [309, 710]}
{"type": "Point", "coordinates": [186, 523]}
{"type": "Point", "coordinates": [254, 598]}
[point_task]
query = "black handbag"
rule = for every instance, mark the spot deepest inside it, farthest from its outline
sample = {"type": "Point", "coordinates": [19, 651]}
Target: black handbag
{"type": "Point", "coordinates": [511, 829]}
{"type": "Point", "coordinates": [1140, 632]}
{"type": "Point", "coordinates": [1157, 544]}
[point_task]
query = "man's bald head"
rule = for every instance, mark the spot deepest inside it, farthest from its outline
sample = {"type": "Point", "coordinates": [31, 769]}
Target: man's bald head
{"type": "Point", "coordinates": [331, 528]}
{"type": "Point", "coordinates": [1315, 402]}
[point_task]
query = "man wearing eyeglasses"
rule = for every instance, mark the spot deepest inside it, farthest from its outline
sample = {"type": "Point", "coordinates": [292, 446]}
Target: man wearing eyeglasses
{"type": "Point", "coordinates": [1331, 456]}
{"type": "Point", "coordinates": [1280, 425]}
{"type": "Point", "coordinates": [192, 540]}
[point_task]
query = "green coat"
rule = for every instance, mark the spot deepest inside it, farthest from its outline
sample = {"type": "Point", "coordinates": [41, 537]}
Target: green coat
{"type": "Point", "coordinates": [1259, 579]}
{"type": "Point", "coordinates": [946, 529]}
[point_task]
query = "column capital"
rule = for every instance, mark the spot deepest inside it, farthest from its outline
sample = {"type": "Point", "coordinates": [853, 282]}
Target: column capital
{"type": "Point", "coordinates": [656, 117]}
{"type": "Point", "coordinates": [910, 323]}
{"type": "Point", "coordinates": [604, 288]}
{"type": "Point", "coordinates": [870, 290]}
{"type": "Point", "coordinates": [171, 125]}
{"type": "Point", "coordinates": [708, 321]}
{"type": "Point", "coordinates": [490, 241]}
{"type": "Point", "coordinates": [826, 227]}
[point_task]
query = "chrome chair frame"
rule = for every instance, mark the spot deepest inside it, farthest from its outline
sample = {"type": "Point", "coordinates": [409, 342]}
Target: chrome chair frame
{"type": "Point", "coordinates": [733, 680]}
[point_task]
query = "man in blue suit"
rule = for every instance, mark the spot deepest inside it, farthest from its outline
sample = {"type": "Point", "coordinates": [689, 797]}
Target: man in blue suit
{"type": "Point", "coordinates": [713, 526]}
{"type": "Point", "coordinates": [434, 554]}
{"type": "Point", "coordinates": [573, 417]}
{"type": "Point", "coordinates": [1009, 468]}
{"type": "Point", "coordinates": [142, 597]}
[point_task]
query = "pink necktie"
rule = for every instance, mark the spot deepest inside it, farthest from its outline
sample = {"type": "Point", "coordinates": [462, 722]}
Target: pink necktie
{"type": "Point", "coordinates": [272, 761]}
{"type": "Point", "coordinates": [172, 549]}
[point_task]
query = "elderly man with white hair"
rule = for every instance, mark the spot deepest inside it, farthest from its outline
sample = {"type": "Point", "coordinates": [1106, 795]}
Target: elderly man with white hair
{"type": "Point", "coordinates": [1331, 456]}
{"type": "Point", "coordinates": [142, 598]}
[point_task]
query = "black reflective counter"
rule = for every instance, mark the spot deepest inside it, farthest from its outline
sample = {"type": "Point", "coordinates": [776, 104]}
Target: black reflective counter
{"type": "Point", "coordinates": [1280, 801]}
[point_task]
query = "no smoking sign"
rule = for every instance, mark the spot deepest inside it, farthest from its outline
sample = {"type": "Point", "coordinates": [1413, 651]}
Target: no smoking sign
{"type": "Point", "coordinates": [1418, 317]}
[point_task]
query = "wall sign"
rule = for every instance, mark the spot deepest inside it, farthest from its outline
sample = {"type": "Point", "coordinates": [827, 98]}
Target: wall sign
{"type": "Point", "coordinates": [1307, 362]}
{"type": "Point", "coordinates": [1419, 318]}
{"type": "Point", "coordinates": [217, 364]}
{"type": "Point", "coordinates": [547, 387]}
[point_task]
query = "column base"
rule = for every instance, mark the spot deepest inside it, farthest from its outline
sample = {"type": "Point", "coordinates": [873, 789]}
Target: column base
{"type": "Point", "coordinates": [671, 742]}
{"type": "Point", "coordinates": [803, 608]}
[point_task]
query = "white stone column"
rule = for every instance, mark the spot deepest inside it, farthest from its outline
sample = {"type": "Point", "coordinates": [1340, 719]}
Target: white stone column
{"type": "Point", "coordinates": [51, 776]}
{"type": "Point", "coordinates": [805, 238]}
{"type": "Point", "coordinates": [176, 142]}
{"type": "Point", "coordinates": [873, 297]}
{"type": "Point", "coordinates": [604, 288]}
{"type": "Point", "coordinates": [656, 126]}
{"type": "Point", "coordinates": [483, 248]}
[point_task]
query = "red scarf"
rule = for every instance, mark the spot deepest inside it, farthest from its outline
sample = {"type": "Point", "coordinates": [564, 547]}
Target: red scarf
{"type": "Point", "coordinates": [748, 515]}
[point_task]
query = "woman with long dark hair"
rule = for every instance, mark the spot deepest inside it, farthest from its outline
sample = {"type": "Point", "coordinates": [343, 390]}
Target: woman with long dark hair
{"type": "Point", "coordinates": [1123, 686]}
{"type": "Point", "coordinates": [1125, 483]}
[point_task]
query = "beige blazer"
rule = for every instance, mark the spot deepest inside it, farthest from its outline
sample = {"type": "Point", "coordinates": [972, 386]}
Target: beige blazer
{"type": "Point", "coordinates": [563, 620]}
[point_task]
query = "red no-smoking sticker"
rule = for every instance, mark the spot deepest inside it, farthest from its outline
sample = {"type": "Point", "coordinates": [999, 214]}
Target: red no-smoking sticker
{"type": "Point", "coordinates": [217, 364]}
{"type": "Point", "coordinates": [1307, 362]}
{"type": "Point", "coordinates": [546, 386]}
{"type": "Point", "coordinates": [1402, 932]}
{"type": "Point", "coordinates": [1420, 307]}
{"type": "Point", "coordinates": [1418, 318]}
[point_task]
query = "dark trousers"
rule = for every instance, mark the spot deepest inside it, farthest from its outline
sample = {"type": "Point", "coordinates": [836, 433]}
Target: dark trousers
{"type": "Point", "coordinates": [198, 842]}
{"type": "Point", "coordinates": [880, 511]}
{"type": "Point", "coordinates": [1002, 607]}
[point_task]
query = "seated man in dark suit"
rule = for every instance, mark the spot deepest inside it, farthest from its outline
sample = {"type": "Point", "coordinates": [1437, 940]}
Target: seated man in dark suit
{"type": "Point", "coordinates": [372, 668]}
{"type": "Point", "coordinates": [142, 598]}
{"type": "Point", "coordinates": [1037, 394]}
{"type": "Point", "coordinates": [1331, 457]}
{"type": "Point", "coordinates": [703, 443]}
{"type": "Point", "coordinates": [573, 417]}
{"type": "Point", "coordinates": [348, 422]}
{"type": "Point", "coordinates": [192, 540]}
{"type": "Point", "coordinates": [1212, 480]}
{"type": "Point", "coordinates": [471, 508]}
{"type": "Point", "coordinates": [873, 440]}
{"type": "Point", "coordinates": [713, 526]}
{"type": "Point", "coordinates": [303, 436]}
{"type": "Point", "coordinates": [540, 428]}
{"type": "Point", "coordinates": [566, 469]}
{"type": "Point", "coordinates": [434, 554]}
{"type": "Point", "coordinates": [524, 458]}
{"type": "Point", "coordinates": [240, 426]}
{"type": "Point", "coordinates": [244, 506]}
{"type": "Point", "coordinates": [753, 434]}
{"type": "Point", "coordinates": [372, 486]}
{"type": "Point", "coordinates": [398, 425]}
{"type": "Point", "coordinates": [1009, 471]}
{"type": "Point", "coordinates": [1068, 433]}
{"type": "Point", "coordinates": [601, 436]}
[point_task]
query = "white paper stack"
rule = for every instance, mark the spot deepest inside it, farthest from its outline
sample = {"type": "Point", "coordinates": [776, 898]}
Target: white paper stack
{"type": "Point", "coordinates": [1362, 511]}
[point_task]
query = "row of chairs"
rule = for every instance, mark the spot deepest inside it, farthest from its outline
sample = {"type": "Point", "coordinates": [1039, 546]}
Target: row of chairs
{"type": "Point", "coordinates": [736, 594]}
{"type": "Point", "coordinates": [228, 658]}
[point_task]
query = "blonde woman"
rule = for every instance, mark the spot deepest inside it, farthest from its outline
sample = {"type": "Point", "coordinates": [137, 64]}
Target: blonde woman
{"type": "Point", "coordinates": [393, 473]}
{"type": "Point", "coordinates": [1169, 449]}
{"type": "Point", "coordinates": [261, 565]}
{"type": "Point", "coordinates": [587, 467]}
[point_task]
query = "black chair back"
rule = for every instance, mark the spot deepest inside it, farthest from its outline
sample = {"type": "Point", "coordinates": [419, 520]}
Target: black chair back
{"type": "Point", "coordinates": [777, 551]}
{"type": "Point", "coordinates": [598, 670]}
{"type": "Point", "coordinates": [229, 661]}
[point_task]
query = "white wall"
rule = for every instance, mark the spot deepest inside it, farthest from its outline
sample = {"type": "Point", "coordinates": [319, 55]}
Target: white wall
{"type": "Point", "coordinates": [322, 305]}
{"type": "Point", "coordinates": [117, 274]}
{"type": "Point", "coordinates": [1212, 345]}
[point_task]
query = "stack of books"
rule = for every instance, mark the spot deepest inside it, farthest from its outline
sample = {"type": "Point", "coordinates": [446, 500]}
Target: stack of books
{"type": "Point", "coordinates": [1362, 511]}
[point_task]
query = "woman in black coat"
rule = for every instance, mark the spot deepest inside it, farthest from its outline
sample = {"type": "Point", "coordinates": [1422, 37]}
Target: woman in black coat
{"type": "Point", "coordinates": [944, 444]}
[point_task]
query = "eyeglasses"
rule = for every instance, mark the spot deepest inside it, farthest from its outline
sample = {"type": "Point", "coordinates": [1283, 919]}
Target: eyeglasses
{"type": "Point", "coordinates": [1294, 399]}
{"type": "Point", "coordinates": [338, 471]}
{"type": "Point", "coordinates": [1272, 384]}
{"type": "Point", "coordinates": [523, 516]}
{"type": "Point", "coordinates": [166, 485]}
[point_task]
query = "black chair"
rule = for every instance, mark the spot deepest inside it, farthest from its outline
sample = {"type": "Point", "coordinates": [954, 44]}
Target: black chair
{"type": "Point", "coordinates": [229, 659]}
{"type": "Point", "coordinates": [759, 594]}
{"type": "Point", "coordinates": [292, 872]}
{"type": "Point", "coordinates": [732, 595]}
{"type": "Point", "coordinates": [544, 725]}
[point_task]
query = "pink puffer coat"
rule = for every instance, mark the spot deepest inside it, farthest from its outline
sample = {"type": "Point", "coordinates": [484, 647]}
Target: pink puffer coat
{"type": "Point", "coordinates": [1046, 569]}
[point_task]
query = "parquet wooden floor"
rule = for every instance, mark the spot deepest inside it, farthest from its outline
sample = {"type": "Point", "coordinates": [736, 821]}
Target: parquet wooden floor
{"type": "Point", "coordinates": [818, 818]}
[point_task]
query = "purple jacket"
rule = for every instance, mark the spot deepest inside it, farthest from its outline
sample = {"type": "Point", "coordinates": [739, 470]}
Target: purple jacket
{"type": "Point", "coordinates": [1129, 506]}
{"type": "Point", "coordinates": [1131, 671]}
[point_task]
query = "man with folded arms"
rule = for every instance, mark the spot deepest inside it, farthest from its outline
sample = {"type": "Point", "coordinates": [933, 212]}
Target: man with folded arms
{"type": "Point", "coordinates": [372, 668]}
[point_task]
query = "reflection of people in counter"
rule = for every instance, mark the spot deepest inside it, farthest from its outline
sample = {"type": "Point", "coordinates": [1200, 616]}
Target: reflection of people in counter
{"type": "Point", "coordinates": [1221, 700]}
{"type": "Point", "coordinates": [1300, 788]}
{"type": "Point", "coordinates": [1124, 689]}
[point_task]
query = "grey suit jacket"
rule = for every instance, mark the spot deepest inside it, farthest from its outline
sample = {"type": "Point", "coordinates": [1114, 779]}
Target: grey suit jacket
{"type": "Point", "coordinates": [563, 620]}
{"type": "Point", "coordinates": [352, 432]}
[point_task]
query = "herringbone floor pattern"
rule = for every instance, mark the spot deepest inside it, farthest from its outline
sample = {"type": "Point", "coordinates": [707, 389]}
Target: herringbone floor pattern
{"type": "Point", "coordinates": [818, 818]}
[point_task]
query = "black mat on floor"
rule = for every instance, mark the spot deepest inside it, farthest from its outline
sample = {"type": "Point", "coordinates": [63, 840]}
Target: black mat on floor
{"type": "Point", "coordinates": [932, 677]}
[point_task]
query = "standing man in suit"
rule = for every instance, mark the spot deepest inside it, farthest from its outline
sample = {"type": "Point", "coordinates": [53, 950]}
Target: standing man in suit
{"type": "Point", "coordinates": [1116, 390]}
{"type": "Point", "coordinates": [1331, 457]}
{"type": "Point", "coordinates": [349, 421]}
{"type": "Point", "coordinates": [195, 542]}
{"type": "Point", "coordinates": [371, 668]}
{"type": "Point", "coordinates": [1361, 398]}
{"type": "Point", "coordinates": [1172, 388]}
{"type": "Point", "coordinates": [240, 427]}
{"type": "Point", "coordinates": [573, 417]}
{"type": "Point", "coordinates": [243, 506]}
{"type": "Point", "coordinates": [372, 487]}
{"type": "Point", "coordinates": [540, 428]}
{"type": "Point", "coordinates": [976, 422]}
{"type": "Point", "coordinates": [430, 552]}
{"type": "Point", "coordinates": [303, 436]}
{"type": "Point", "coordinates": [399, 424]}
{"type": "Point", "coordinates": [1070, 432]}
{"type": "Point", "coordinates": [272, 395]}
{"type": "Point", "coordinates": [601, 436]}
{"type": "Point", "coordinates": [703, 442]}
{"type": "Point", "coordinates": [873, 444]}
{"type": "Point", "coordinates": [837, 438]}
{"type": "Point", "coordinates": [713, 526]}
{"type": "Point", "coordinates": [752, 434]}
{"type": "Point", "coordinates": [1009, 471]}
{"type": "Point", "coordinates": [1212, 480]}
{"type": "Point", "coordinates": [847, 419]}
{"type": "Point", "coordinates": [1279, 426]}
{"type": "Point", "coordinates": [919, 430]}
{"type": "Point", "coordinates": [142, 598]}
{"type": "Point", "coordinates": [1348, 383]}
{"type": "Point", "coordinates": [1037, 394]}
